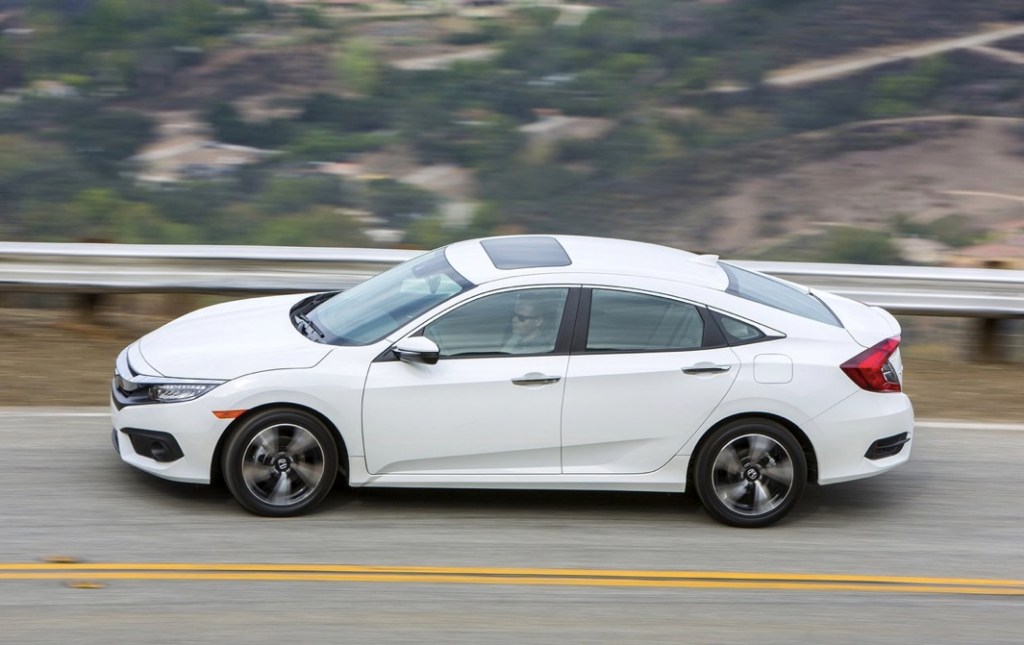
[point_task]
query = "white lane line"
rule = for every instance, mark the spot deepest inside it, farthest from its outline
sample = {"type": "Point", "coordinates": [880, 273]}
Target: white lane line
{"type": "Point", "coordinates": [55, 412]}
{"type": "Point", "coordinates": [969, 425]}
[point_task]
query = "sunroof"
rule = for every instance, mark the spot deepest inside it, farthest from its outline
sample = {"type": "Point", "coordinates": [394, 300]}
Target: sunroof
{"type": "Point", "coordinates": [526, 252]}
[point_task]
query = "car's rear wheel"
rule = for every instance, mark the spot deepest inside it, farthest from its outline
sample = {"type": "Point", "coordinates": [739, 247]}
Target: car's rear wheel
{"type": "Point", "coordinates": [750, 473]}
{"type": "Point", "coordinates": [280, 462]}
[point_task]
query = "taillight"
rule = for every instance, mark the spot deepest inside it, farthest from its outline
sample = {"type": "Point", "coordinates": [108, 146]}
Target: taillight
{"type": "Point", "coordinates": [872, 370]}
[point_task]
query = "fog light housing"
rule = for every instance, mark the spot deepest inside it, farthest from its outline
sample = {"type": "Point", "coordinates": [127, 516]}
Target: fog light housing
{"type": "Point", "coordinates": [158, 446]}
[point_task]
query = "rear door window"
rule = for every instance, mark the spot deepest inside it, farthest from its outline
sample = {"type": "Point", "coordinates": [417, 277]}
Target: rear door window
{"type": "Point", "coordinates": [623, 321]}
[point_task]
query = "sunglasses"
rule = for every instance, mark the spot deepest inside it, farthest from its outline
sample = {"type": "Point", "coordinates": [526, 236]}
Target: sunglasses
{"type": "Point", "coordinates": [522, 318]}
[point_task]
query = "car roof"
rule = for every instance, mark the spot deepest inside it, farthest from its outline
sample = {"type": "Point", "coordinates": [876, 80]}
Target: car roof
{"type": "Point", "coordinates": [480, 260]}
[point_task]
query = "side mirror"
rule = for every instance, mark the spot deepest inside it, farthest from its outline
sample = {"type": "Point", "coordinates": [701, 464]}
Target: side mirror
{"type": "Point", "coordinates": [417, 349]}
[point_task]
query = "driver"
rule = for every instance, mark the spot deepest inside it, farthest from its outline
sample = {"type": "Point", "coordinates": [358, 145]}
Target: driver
{"type": "Point", "coordinates": [529, 334]}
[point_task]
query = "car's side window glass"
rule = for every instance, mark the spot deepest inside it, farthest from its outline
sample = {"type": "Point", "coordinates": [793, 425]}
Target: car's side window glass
{"type": "Point", "coordinates": [622, 321]}
{"type": "Point", "coordinates": [525, 321]}
{"type": "Point", "coordinates": [738, 332]}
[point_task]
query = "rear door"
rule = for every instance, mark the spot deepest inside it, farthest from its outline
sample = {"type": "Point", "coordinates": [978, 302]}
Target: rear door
{"type": "Point", "coordinates": [645, 372]}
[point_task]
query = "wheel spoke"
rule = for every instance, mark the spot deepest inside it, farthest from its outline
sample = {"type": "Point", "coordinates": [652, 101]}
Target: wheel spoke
{"type": "Point", "coordinates": [256, 473]}
{"type": "Point", "coordinates": [280, 437]}
{"type": "Point", "coordinates": [732, 493]}
{"type": "Point", "coordinates": [301, 441]}
{"type": "Point", "coordinates": [308, 473]}
{"type": "Point", "coordinates": [759, 447]}
{"type": "Point", "coordinates": [762, 498]}
{"type": "Point", "coordinates": [729, 461]}
{"type": "Point", "coordinates": [282, 490]}
{"type": "Point", "coordinates": [781, 472]}
{"type": "Point", "coordinates": [263, 446]}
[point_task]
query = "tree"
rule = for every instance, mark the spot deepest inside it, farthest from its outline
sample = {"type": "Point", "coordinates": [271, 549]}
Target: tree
{"type": "Point", "coordinates": [899, 94]}
{"type": "Point", "coordinates": [36, 172]}
{"type": "Point", "coordinates": [285, 195]}
{"type": "Point", "coordinates": [102, 214]}
{"type": "Point", "coordinates": [318, 226]}
{"type": "Point", "coordinates": [342, 114]}
{"type": "Point", "coordinates": [107, 137]}
{"type": "Point", "coordinates": [397, 202]}
{"type": "Point", "coordinates": [229, 127]}
{"type": "Point", "coordinates": [11, 72]}
{"type": "Point", "coordinates": [859, 246]}
{"type": "Point", "coordinates": [359, 66]}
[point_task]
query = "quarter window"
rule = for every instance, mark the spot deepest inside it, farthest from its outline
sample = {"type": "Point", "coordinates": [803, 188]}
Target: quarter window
{"type": "Point", "coordinates": [513, 322]}
{"type": "Point", "coordinates": [738, 332]}
{"type": "Point", "coordinates": [621, 321]}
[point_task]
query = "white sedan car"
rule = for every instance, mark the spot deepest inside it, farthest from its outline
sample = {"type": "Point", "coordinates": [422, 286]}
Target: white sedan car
{"type": "Point", "coordinates": [551, 362]}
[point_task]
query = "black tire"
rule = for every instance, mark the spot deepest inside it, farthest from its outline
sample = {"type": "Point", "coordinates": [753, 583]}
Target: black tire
{"type": "Point", "coordinates": [751, 473]}
{"type": "Point", "coordinates": [280, 462]}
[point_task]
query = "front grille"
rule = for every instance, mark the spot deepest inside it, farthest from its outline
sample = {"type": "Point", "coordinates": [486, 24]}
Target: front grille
{"type": "Point", "coordinates": [122, 398]}
{"type": "Point", "coordinates": [124, 386]}
{"type": "Point", "coordinates": [126, 392]}
{"type": "Point", "coordinates": [887, 447]}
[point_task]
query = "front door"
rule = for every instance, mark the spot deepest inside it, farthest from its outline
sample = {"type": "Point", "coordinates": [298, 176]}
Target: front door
{"type": "Point", "coordinates": [491, 405]}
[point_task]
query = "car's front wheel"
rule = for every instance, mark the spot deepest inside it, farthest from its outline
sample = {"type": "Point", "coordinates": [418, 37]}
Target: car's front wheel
{"type": "Point", "coordinates": [280, 462]}
{"type": "Point", "coordinates": [750, 473]}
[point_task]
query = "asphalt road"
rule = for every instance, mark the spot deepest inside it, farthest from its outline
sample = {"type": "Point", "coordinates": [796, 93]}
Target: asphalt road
{"type": "Point", "coordinates": [953, 512]}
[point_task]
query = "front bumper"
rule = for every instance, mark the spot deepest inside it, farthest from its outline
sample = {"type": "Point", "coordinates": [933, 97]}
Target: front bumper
{"type": "Point", "coordinates": [146, 436]}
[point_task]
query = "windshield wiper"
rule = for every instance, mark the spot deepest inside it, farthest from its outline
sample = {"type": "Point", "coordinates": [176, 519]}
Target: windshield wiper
{"type": "Point", "coordinates": [309, 326]}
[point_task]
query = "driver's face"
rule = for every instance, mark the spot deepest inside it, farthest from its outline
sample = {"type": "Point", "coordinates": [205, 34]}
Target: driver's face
{"type": "Point", "coordinates": [525, 320]}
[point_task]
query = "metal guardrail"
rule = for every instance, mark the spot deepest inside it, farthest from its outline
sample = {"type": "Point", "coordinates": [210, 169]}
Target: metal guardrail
{"type": "Point", "coordinates": [167, 268]}
{"type": "Point", "coordinates": [153, 268]}
{"type": "Point", "coordinates": [913, 290]}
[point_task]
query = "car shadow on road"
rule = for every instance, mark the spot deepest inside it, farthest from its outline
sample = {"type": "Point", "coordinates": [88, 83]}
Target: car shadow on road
{"type": "Point", "coordinates": [851, 501]}
{"type": "Point", "coordinates": [866, 499]}
{"type": "Point", "coordinates": [542, 501]}
{"type": "Point", "coordinates": [195, 496]}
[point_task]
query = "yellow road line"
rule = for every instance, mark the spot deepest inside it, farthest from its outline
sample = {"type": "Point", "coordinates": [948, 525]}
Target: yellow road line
{"type": "Point", "coordinates": [499, 571]}
{"type": "Point", "coordinates": [510, 576]}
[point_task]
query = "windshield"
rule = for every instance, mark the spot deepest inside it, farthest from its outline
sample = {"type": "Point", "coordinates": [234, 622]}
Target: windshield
{"type": "Point", "coordinates": [370, 311]}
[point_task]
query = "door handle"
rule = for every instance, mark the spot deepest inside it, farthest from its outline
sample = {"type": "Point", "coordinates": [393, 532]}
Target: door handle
{"type": "Point", "coordinates": [535, 378]}
{"type": "Point", "coordinates": [707, 369]}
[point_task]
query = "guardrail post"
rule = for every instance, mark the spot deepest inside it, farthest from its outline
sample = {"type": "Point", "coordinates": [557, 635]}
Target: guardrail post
{"type": "Point", "coordinates": [989, 347]}
{"type": "Point", "coordinates": [86, 306]}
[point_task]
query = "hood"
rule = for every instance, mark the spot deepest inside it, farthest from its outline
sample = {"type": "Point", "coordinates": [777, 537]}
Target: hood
{"type": "Point", "coordinates": [232, 339]}
{"type": "Point", "coordinates": [867, 325]}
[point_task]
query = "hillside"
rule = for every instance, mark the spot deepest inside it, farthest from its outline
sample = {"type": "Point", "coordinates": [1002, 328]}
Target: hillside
{"type": "Point", "coordinates": [949, 167]}
{"type": "Point", "coordinates": [416, 123]}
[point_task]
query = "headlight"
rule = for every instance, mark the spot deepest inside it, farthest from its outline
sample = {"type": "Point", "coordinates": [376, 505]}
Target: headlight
{"type": "Point", "coordinates": [131, 388]}
{"type": "Point", "coordinates": [177, 392]}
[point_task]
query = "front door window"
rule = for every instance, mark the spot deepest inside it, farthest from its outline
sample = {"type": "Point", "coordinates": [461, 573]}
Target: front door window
{"type": "Point", "coordinates": [525, 321]}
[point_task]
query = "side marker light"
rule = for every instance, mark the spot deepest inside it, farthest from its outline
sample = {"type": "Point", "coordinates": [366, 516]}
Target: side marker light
{"type": "Point", "coordinates": [228, 414]}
